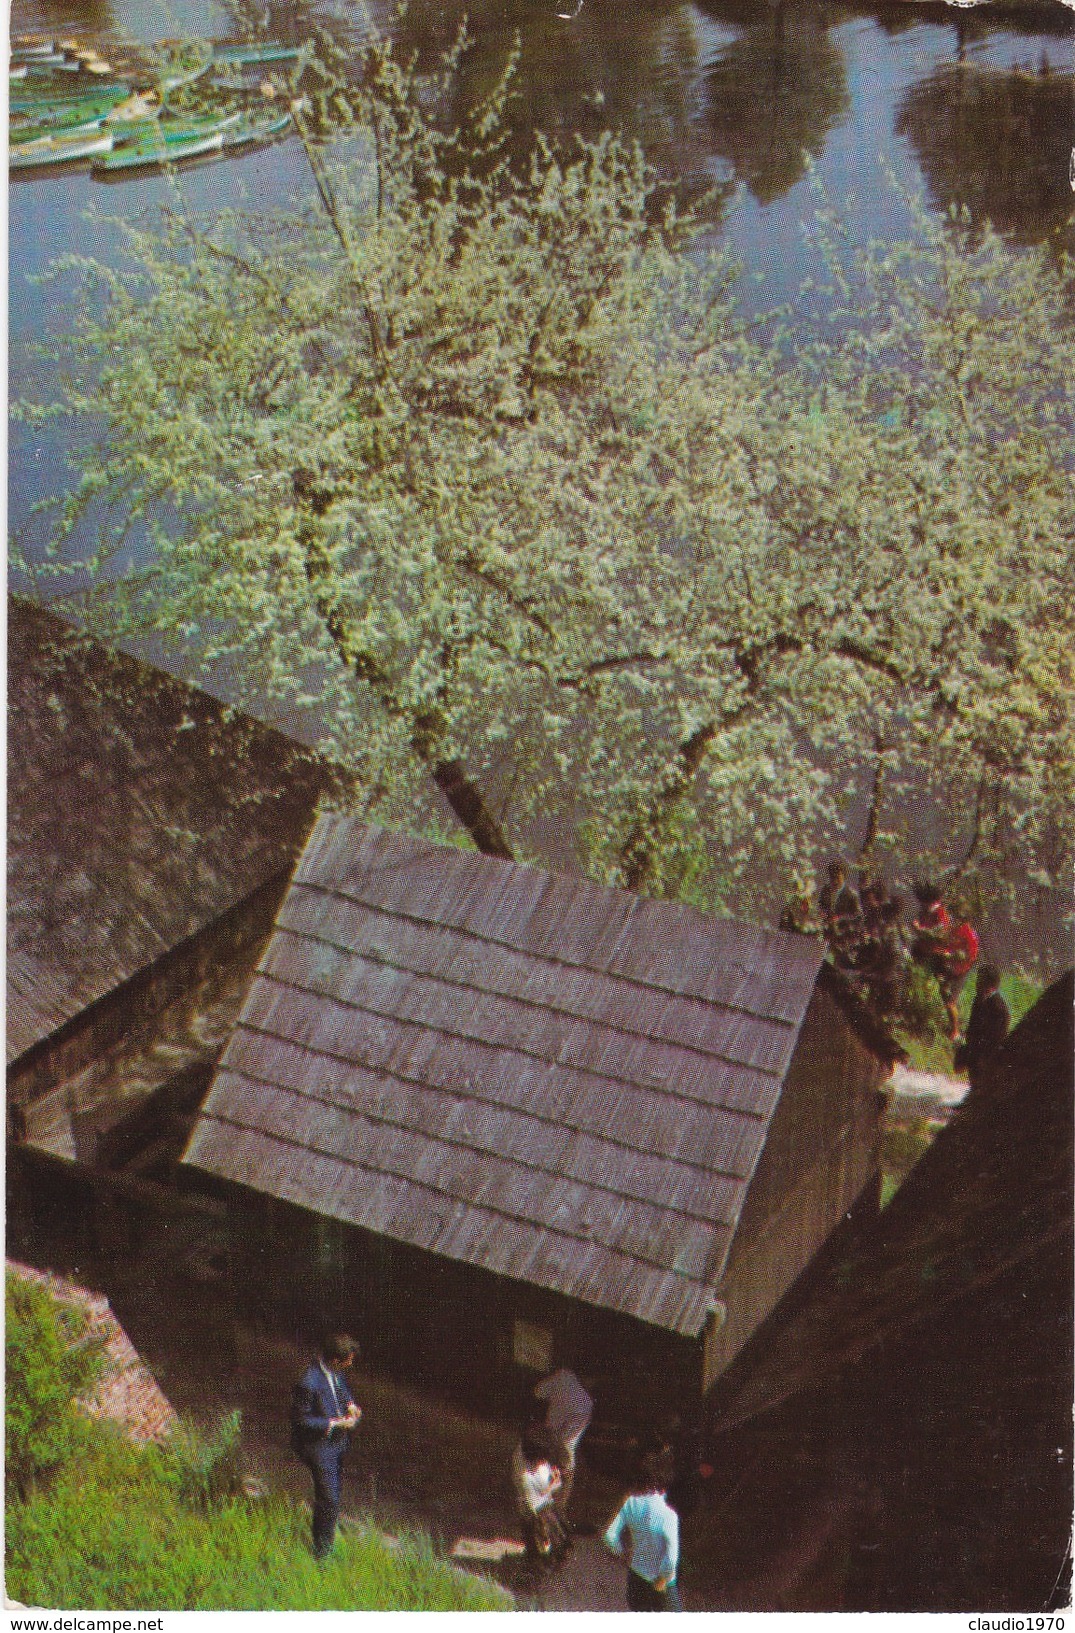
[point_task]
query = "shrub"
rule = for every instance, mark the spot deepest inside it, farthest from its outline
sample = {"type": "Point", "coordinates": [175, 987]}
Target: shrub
{"type": "Point", "coordinates": [922, 1010]}
{"type": "Point", "coordinates": [51, 1360]}
{"type": "Point", "coordinates": [205, 1465]}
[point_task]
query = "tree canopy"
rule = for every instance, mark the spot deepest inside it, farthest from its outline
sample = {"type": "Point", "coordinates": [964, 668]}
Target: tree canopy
{"type": "Point", "coordinates": [478, 463]}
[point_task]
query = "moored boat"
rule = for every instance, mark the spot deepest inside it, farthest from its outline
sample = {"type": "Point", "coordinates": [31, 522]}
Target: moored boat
{"type": "Point", "coordinates": [47, 150]}
{"type": "Point", "coordinates": [239, 55]}
{"type": "Point", "coordinates": [152, 152]}
{"type": "Point", "coordinates": [250, 132]}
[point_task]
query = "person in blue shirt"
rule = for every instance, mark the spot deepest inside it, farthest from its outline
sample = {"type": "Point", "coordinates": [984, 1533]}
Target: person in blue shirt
{"type": "Point", "coordinates": [645, 1533]}
{"type": "Point", "coordinates": [323, 1414]}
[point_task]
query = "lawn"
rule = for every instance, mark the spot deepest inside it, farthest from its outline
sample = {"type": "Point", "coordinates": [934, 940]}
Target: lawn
{"type": "Point", "coordinates": [111, 1531]}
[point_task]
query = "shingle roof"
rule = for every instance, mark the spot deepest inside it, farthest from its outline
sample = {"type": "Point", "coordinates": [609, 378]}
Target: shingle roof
{"type": "Point", "coordinates": [565, 1084]}
{"type": "Point", "coordinates": [139, 810]}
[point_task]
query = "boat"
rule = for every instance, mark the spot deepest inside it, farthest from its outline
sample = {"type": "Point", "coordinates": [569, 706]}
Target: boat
{"type": "Point", "coordinates": [20, 136]}
{"type": "Point", "coordinates": [170, 130]}
{"type": "Point", "coordinates": [239, 55]}
{"type": "Point", "coordinates": [152, 152]}
{"type": "Point", "coordinates": [54, 150]}
{"type": "Point", "coordinates": [250, 132]}
{"type": "Point", "coordinates": [102, 97]}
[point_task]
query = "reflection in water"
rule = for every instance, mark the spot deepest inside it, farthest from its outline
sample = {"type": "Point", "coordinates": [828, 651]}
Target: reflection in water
{"type": "Point", "coordinates": [773, 96]}
{"type": "Point", "coordinates": [999, 143]}
{"type": "Point", "coordinates": [609, 67]}
{"type": "Point", "coordinates": [77, 17]}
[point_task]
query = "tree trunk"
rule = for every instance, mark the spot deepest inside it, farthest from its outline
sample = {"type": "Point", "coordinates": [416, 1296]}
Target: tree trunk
{"type": "Point", "coordinates": [468, 803]}
{"type": "Point", "coordinates": [638, 858]}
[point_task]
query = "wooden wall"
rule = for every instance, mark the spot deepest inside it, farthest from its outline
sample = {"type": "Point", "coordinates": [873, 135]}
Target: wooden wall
{"type": "Point", "coordinates": [823, 1150]}
{"type": "Point", "coordinates": [448, 1326]}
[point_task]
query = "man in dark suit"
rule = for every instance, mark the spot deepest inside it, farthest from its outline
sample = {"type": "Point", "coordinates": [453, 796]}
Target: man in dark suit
{"type": "Point", "coordinates": [987, 1028]}
{"type": "Point", "coordinates": [323, 1414]}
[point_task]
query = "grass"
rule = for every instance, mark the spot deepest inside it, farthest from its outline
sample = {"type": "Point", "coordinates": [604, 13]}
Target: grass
{"type": "Point", "coordinates": [111, 1532]}
{"type": "Point", "coordinates": [932, 1051]}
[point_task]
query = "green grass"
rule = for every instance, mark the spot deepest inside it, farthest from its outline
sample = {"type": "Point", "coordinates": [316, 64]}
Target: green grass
{"type": "Point", "coordinates": [933, 1052]}
{"type": "Point", "coordinates": [111, 1532]}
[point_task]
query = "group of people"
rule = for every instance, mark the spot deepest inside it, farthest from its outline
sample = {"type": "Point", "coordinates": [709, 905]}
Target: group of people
{"type": "Point", "coordinates": [644, 1531]}
{"type": "Point", "coordinates": [864, 929]}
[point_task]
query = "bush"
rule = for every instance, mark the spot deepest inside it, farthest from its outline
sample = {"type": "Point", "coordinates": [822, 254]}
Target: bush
{"type": "Point", "coordinates": [205, 1465]}
{"type": "Point", "coordinates": [51, 1360]}
{"type": "Point", "coordinates": [922, 1010]}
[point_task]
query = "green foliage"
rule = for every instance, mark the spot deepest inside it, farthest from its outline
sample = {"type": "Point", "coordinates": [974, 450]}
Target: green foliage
{"type": "Point", "coordinates": [922, 1012]}
{"type": "Point", "coordinates": [112, 1533]}
{"type": "Point", "coordinates": [206, 1464]}
{"type": "Point", "coordinates": [50, 1362]}
{"type": "Point", "coordinates": [475, 461]}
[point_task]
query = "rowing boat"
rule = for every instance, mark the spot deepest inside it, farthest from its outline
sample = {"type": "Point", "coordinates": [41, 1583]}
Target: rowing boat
{"type": "Point", "coordinates": [252, 131]}
{"type": "Point", "coordinates": [239, 55]}
{"type": "Point", "coordinates": [51, 150]}
{"type": "Point", "coordinates": [102, 97]}
{"type": "Point", "coordinates": [20, 136]}
{"type": "Point", "coordinates": [153, 152]}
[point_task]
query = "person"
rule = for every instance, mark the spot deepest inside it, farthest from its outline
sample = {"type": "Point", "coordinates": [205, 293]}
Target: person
{"type": "Point", "coordinates": [568, 1410]}
{"type": "Point", "coordinates": [536, 1479]}
{"type": "Point", "coordinates": [931, 925]}
{"type": "Point", "coordinates": [841, 914]}
{"type": "Point", "coordinates": [323, 1416]}
{"type": "Point", "coordinates": [987, 1027]}
{"type": "Point", "coordinates": [955, 959]}
{"type": "Point", "coordinates": [645, 1532]}
{"type": "Point", "coordinates": [797, 914]}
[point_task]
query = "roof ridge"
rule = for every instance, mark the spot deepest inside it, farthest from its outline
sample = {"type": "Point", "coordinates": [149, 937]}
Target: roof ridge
{"type": "Point", "coordinates": [552, 958]}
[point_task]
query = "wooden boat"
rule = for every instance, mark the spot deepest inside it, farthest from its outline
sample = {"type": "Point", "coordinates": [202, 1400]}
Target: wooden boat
{"type": "Point", "coordinates": [250, 132]}
{"type": "Point", "coordinates": [170, 131]}
{"type": "Point", "coordinates": [25, 48]}
{"type": "Point", "coordinates": [152, 152]}
{"type": "Point", "coordinates": [100, 99]}
{"type": "Point", "coordinates": [52, 150]}
{"type": "Point", "coordinates": [20, 135]}
{"type": "Point", "coordinates": [239, 55]}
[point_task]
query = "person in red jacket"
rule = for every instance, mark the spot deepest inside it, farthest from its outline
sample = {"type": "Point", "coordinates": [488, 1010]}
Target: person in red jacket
{"type": "Point", "coordinates": [948, 949]}
{"type": "Point", "coordinates": [956, 957]}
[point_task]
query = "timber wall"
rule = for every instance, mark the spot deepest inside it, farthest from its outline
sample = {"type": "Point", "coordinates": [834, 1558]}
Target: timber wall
{"type": "Point", "coordinates": [822, 1152]}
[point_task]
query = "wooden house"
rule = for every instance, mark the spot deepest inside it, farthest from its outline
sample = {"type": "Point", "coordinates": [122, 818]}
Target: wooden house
{"type": "Point", "coordinates": [151, 834]}
{"type": "Point", "coordinates": [526, 1118]}
{"type": "Point", "coordinates": [899, 1436]}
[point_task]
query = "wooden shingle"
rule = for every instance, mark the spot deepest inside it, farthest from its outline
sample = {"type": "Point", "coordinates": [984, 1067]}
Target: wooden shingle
{"type": "Point", "coordinates": [562, 1083]}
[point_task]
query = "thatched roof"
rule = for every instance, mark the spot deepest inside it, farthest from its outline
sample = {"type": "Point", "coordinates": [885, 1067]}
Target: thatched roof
{"type": "Point", "coordinates": [139, 810]}
{"type": "Point", "coordinates": [564, 1084]}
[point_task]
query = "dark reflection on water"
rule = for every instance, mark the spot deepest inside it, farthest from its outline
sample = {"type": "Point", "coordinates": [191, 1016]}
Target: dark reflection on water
{"type": "Point", "coordinates": [997, 142]}
{"type": "Point", "coordinates": [773, 96]}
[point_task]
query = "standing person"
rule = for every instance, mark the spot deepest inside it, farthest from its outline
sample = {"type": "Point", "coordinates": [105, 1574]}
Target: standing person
{"type": "Point", "coordinates": [987, 1027]}
{"type": "Point", "coordinates": [568, 1411]}
{"type": "Point", "coordinates": [645, 1533]}
{"type": "Point", "coordinates": [841, 914]}
{"type": "Point", "coordinates": [323, 1414]}
{"type": "Point", "coordinates": [956, 958]}
{"type": "Point", "coordinates": [536, 1480]}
